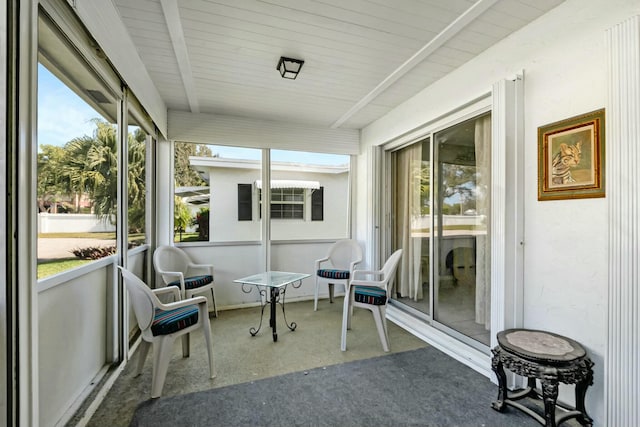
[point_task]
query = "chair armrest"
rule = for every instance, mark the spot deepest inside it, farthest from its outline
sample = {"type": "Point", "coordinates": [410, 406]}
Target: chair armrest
{"type": "Point", "coordinates": [168, 290]}
{"type": "Point", "coordinates": [203, 266]}
{"type": "Point", "coordinates": [370, 283]}
{"type": "Point", "coordinates": [183, 303]}
{"type": "Point", "coordinates": [373, 273]}
{"type": "Point", "coordinates": [177, 274]}
{"type": "Point", "coordinates": [318, 262]}
{"type": "Point", "coordinates": [352, 267]}
{"type": "Point", "coordinates": [192, 265]}
{"type": "Point", "coordinates": [170, 273]}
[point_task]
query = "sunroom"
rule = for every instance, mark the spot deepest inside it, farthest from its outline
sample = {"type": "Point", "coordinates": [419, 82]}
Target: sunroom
{"type": "Point", "coordinates": [417, 126]}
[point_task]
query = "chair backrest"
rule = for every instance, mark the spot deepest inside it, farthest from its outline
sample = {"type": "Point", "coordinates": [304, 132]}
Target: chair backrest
{"type": "Point", "coordinates": [170, 258]}
{"type": "Point", "coordinates": [143, 300]}
{"type": "Point", "coordinates": [343, 252]}
{"type": "Point", "coordinates": [390, 267]}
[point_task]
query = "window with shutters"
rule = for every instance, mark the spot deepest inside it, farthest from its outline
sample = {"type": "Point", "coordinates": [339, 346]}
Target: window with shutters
{"type": "Point", "coordinates": [309, 195]}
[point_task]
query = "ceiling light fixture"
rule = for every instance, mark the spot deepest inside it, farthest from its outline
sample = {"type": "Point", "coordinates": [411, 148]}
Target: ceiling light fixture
{"type": "Point", "coordinates": [289, 67]}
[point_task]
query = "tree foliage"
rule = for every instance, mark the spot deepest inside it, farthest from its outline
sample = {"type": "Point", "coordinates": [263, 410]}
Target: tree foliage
{"type": "Point", "coordinates": [460, 181]}
{"type": "Point", "coordinates": [137, 181]}
{"type": "Point", "coordinates": [52, 185]}
{"type": "Point", "coordinates": [185, 175]}
{"type": "Point", "coordinates": [93, 164]}
{"type": "Point", "coordinates": [181, 214]}
{"type": "Point", "coordinates": [88, 165]}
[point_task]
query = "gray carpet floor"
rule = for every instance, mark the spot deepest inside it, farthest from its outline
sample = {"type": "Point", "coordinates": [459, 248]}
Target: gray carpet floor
{"type": "Point", "coordinates": [420, 387]}
{"type": "Point", "coordinates": [241, 358]}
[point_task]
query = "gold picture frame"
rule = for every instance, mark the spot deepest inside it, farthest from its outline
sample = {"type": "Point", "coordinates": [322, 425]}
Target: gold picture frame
{"type": "Point", "coordinates": [571, 158]}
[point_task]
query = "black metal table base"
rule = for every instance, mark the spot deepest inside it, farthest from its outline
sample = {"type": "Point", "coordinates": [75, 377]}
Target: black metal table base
{"type": "Point", "coordinates": [274, 297]}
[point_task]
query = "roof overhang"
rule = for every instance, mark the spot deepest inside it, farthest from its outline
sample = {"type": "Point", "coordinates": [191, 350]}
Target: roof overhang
{"type": "Point", "coordinates": [291, 183]}
{"type": "Point", "coordinates": [191, 191]}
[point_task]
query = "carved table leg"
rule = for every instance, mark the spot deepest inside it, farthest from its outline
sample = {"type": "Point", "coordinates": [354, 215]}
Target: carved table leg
{"type": "Point", "coordinates": [581, 391]}
{"type": "Point", "coordinates": [550, 395]}
{"type": "Point", "coordinates": [498, 369]}
{"type": "Point", "coordinates": [531, 386]}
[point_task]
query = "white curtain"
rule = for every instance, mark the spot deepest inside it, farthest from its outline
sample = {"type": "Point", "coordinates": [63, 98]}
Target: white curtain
{"type": "Point", "coordinates": [408, 174]}
{"type": "Point", "coordinates": [483, 208]}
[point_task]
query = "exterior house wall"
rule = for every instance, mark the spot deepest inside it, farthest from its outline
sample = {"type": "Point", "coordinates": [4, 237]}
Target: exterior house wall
{"type": "Point", "coordinates": [562, 56]}
{"type": "Point", "coordinates": [224, 223]}
{"type": "Point", "coordinates": [223, 217]}
{"type": "Point", "coordinates": [72, 223]}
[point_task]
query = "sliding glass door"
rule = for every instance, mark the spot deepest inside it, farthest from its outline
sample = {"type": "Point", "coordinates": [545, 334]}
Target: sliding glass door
{"type": "Point", "coordinates": [412, 227]}
{"type": "Point", "coordinates": [441, 206]}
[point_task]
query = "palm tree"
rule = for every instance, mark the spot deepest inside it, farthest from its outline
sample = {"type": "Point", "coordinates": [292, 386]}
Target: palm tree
{"type": "Point", "coordinates": [90, 166]}
{"type": "Point", "coordinates": [136, 183]}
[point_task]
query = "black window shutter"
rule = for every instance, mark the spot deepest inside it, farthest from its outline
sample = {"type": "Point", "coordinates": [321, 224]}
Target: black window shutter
{"type": "Point", "coordinates": [244, 202]}
{"type": "Point", "coordinates": [317, 205]}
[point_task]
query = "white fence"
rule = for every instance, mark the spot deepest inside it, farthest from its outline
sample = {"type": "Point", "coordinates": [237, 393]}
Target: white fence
{"type": "Point", "coordinates": [72, 223]}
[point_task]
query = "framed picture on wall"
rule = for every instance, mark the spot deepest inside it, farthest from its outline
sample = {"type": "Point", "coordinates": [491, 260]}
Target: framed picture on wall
{"type": "Point", "coordinates": [571, 158]}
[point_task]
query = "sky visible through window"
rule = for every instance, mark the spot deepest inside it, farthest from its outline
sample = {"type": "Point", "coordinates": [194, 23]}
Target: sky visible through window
{"type": "Point", "coordinates": [63, 115]}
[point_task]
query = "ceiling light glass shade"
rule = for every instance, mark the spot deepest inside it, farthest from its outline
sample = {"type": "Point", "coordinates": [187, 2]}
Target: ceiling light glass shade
{"type": "Point", "coordinates": [289, 67]}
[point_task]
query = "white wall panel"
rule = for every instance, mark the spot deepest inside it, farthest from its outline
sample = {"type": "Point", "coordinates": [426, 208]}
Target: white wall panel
{"type": "Point", "coordinates": [623, 181]}
{"type": "Point", "coordinates": [233, 261]}
{"type": "Point", "coordinates": [71, 341]}
{"type": "Point", "coordinates": [241, 132]}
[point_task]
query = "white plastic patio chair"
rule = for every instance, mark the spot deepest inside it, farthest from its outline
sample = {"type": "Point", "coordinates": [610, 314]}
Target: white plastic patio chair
{"type": "Point", "coordinates": [371, 290]}
{"type": "Point", "coordinates": [160, 325]}
{"type": "Point", "coordinates": [337, 266]}
{"type": "Point", "coordinates": [177, 269]}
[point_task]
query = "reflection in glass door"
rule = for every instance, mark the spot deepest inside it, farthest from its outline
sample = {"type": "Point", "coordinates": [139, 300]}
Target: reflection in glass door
{"type": "Point", "coordinates": [412, 228]}
{"type": "Point", "coordinates": [443, 228]}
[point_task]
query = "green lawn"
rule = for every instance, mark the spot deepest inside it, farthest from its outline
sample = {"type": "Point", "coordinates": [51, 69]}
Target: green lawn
{"type": "Point", "coordinates": [453, 227]}
{"type": "Point", "coordinates": [186, 237]}
{"type": "Point", "coordinates": [104, 236]}
{"type": "Point", "coordinates": [50, 268]}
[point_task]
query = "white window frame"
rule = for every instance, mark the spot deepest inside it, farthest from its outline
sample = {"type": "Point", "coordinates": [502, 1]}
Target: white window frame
{"type": "Point", "coordinates": [295, 193]}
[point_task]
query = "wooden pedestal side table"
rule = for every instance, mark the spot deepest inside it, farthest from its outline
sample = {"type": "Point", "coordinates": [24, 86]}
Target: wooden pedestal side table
{"type": "Point", "coordinates": [550, 358]}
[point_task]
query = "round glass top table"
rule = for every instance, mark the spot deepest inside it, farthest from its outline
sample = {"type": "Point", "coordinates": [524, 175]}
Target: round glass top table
{"type": "Point", "coordinates": [546, 357]}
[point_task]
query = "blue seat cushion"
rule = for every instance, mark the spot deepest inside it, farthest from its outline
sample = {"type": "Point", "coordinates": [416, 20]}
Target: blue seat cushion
{"type": "Point", "coordinates": [194, 282]}
{"type": "Point", "coordinates": [334, 274]}
{"type": "Point", "coordinates": [168, 322]}
{"type": "Point", "coordinates": [370, 295]}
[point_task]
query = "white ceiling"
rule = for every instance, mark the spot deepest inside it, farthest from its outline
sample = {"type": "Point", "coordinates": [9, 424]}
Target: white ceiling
{"type": "Point", "coordinates": [362, 57]}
